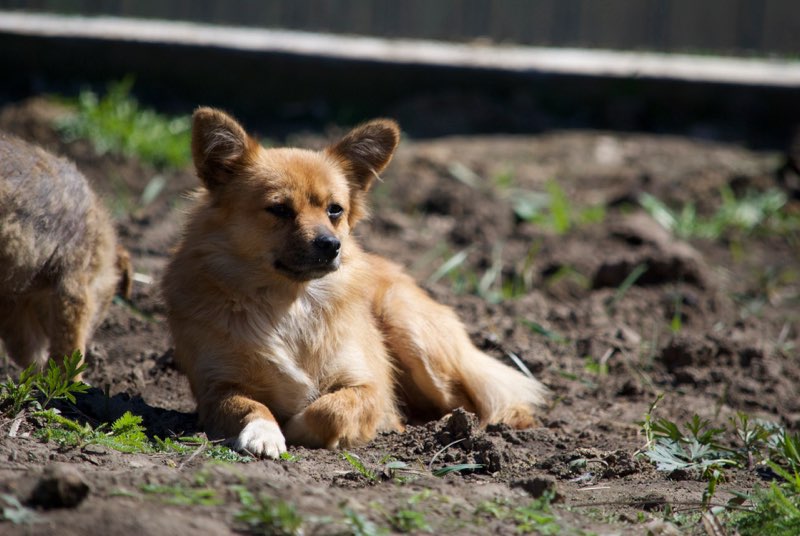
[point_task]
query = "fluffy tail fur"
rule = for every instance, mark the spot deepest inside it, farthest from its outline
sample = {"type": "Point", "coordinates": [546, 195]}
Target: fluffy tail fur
{"type": "Point", "coordinates": [440, 368]}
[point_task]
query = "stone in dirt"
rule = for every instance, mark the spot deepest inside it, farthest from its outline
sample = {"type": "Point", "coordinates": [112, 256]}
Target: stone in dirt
{"type": "Point", "coordinates": [60, 486]}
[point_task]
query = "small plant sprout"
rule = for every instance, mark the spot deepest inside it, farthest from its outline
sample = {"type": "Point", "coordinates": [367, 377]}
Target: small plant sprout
{"type": "Point", "coordinates": [630, 280]}
{"type": "Point", "coordinates": [356, 463]}
{"type": "Point", "coordinates": [539, 329]}
{"type": "Point", "coordinates": [40, 389]}
{"type": "Point", "coordinates": [553, 209]}
{"type": "Point", "coordinates": [15, 396]}
{"type": "Point", "coordinates": [698, 446]}
{"type": "Point", "coordinates": [58, 383]}
{"type": "Point", "coordinates": [457, 468]}
{"type": "Point", "coordinates": [359, 525]}
{"type": "Point", "coordinates": [268, 515]}
{"type": "Point", "coordinates": [183, 495]}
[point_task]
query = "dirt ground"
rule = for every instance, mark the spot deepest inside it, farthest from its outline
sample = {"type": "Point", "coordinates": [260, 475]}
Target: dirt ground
{"type": "Point", "coordinates": [605, 355]}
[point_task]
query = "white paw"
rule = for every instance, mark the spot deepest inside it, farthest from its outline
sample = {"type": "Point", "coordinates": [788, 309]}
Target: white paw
{"type": "Point", "coordinates": [261, 438]}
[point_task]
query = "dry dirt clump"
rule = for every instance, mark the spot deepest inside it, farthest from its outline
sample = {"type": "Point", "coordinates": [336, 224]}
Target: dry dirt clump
{"type": "Point", "coordinates": [710, 323]}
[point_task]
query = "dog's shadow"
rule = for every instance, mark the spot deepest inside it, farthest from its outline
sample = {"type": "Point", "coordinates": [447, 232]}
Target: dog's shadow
{"type": "Point", "coordinates": [95, 407]}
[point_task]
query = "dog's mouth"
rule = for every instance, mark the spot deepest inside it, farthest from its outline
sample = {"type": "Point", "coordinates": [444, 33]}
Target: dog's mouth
{"type": "Point", "coordinates": [305, 271]}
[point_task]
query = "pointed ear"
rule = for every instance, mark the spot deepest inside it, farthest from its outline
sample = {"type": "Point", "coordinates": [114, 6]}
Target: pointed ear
{"type": "Point", "coordinates": [219, 146]}
{"type": "Point", "coordinates": [366, 150]}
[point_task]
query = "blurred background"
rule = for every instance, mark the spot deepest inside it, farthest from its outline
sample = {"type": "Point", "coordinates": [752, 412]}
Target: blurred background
{"type": "Point", "coordinates": [720, 68]}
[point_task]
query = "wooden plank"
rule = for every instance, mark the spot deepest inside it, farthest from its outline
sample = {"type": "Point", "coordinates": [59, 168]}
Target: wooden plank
{"type": "Point", "coordinates": [704, 26]}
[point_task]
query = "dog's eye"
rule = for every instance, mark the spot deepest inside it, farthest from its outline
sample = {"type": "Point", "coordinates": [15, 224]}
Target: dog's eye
{"type": "Point", "coordinates": [280, 210]}
{"type": "Point", "coordinates": [335, 211]}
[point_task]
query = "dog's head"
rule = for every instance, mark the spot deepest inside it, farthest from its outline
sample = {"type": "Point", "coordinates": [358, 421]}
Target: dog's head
{"type": "Point", "coordinates": [288, 210]}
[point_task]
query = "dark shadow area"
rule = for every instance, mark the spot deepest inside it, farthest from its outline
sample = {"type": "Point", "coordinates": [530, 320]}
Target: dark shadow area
{"type": "Point", "coordinates": [96, 407]}
{"type": "Point", "coordinates": [278, 94]}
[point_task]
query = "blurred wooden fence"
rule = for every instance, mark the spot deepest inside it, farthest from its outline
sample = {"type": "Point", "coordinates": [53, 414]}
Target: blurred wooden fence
{"type": "Point", "coordinates": [698, 26]}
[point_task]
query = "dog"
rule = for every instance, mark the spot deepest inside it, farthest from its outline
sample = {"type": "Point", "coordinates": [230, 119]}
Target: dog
{"type": "Point", "coordinates": [287, 331]}
{"type": "Point", "coordinates": [60, 264]}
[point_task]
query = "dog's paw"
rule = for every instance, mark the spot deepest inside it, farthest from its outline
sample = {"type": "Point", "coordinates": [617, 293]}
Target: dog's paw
{"type": "Point", "coordinates": [299, 433]}
{"type": "Point", "coordinates": [261, 438]}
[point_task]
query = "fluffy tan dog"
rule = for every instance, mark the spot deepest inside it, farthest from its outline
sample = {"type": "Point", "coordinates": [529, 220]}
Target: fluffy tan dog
{"type": "Point", "coordinates": [59, 260]}
{"type": "Point", "coordinates": [286, 329]}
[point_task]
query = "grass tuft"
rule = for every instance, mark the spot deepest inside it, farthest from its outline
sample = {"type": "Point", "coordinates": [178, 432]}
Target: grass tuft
{"type": "Point", "coordinates": [754, 212]}
{"type": "Point", "coordinates": [39, 389]}
{"type": "Point", "coordinates": [553, 210]}
{"type": "Point", "coordinates": [268, 515]}
{"type": "Point", "coordinates": [697, 445]}
{"type": "Point", "coordinates": [115, 123]}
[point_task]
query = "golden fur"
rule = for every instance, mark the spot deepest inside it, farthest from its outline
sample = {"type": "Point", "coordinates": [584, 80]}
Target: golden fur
{"type": "Point", "coordinates": [59, 260]}
{"type": "Point", "coordinates": [286, 329]}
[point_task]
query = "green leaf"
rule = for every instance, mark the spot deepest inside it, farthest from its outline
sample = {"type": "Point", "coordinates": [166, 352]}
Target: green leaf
{"type": "Point", "coordinates": [457, 468]}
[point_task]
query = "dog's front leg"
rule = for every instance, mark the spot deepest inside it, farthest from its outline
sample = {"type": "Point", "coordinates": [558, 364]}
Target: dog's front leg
{"type": "Point", "coordinates": [247, 424]}
{"type": "Point", "coordinates": [346, 417]}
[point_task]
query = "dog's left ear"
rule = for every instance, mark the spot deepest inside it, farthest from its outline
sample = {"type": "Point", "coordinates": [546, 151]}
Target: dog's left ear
{"type": "Point", "coordinates": [363, 153]}
{"type": "Point", "coordinates": [366, 150]}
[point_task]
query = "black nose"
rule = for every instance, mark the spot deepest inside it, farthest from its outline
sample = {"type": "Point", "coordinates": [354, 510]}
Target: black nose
{"type": "Point", "coordinates": [327, 246]}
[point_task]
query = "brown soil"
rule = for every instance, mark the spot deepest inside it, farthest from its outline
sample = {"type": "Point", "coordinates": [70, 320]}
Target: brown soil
{"type": "Point", "coordinates": [733, 352]}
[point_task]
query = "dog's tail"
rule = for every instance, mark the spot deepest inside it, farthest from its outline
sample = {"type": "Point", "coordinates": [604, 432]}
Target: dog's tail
{"type": "Point", "coordinates": [498, 392]}
{"type": "Point", "coordinates": [440, 368]}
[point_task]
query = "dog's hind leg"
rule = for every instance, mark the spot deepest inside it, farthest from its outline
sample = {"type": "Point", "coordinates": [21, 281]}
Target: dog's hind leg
{"type": "Point", "coordinates": [438, 361]}
{"type": "Point", "coordinates": [345, 417]}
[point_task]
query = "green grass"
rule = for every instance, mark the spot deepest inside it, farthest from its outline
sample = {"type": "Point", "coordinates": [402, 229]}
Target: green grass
{"type": "Point", "coordinates": [37, 390]}
{"type": "Point", "coordinates": [743, 444]}
{"type": "Point", "coordinates": [211, 450]}
{"type": "Point", "coordinates": [553, 210]}
{"type": "Point", "coordinates": [356, 463]}
{"type": "Point", "coordinates": [358, 525]}
{"type": "Point", "coordinates": [535, 516]}
{"type": "Point", "coordinates": [753, 213]}
{"type": "Point", "coordinates": [116, 123]}
{"type": "Point", "coordinates": [183, 495]}
{"type": "Point", "coordinates": [496, 283]}
{"type": "Point", "coordinates": [34, 392]}
{"type": "Point", "coordinates": [775, 509]}
{"type": "Point", "coordinates": [125, 435]}
{"type": "Point", "coordinates": [268, 515]}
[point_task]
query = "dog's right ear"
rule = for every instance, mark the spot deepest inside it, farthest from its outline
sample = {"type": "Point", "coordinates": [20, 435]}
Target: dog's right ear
{"type": "Point", "coordinates": [219, 146]}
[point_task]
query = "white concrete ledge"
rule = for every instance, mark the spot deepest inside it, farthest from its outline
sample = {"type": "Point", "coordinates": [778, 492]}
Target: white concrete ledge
{"type": "Point", "coordinates": [567, 61]}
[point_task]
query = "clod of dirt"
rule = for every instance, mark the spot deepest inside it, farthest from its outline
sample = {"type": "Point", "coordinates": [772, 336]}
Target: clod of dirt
{"type": "Point", "coordinates": [619, 463]}
{"type": "Point", "coordinates": [685, 351]}
{"type": "Point", "coordinates": [537, 486]}
{"type": "Point", "coordinates": [667, 259]}
{"type": "Point", "coordinates": [652, 501]}
{"type": "Point", "coordinates": [683, 474]}
{"type": "Point", "coordinates": [460, 426]}
{"type": "Point", "coordinates": [60, 486]}
{"type": "Point", "coordinates": [489, 454]}
{"type": "Point", "coordinates": [352, 480]}
{"type": "Point", "coordinates": [591, 462]}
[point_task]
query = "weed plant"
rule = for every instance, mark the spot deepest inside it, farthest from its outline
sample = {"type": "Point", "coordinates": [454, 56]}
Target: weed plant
{"type": "Point", "coordinates": [699, 446]}
{"type": "Point", "coordinates": [267, 515]}
{"type": "Point", "coordinates": [34, 393]}
{"type": "Point", "coordinates": [116, 123]}
{"type": "Point", "coordinates": [37, 390]}
{"type": "Point", "coordinates": [752, 213]}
